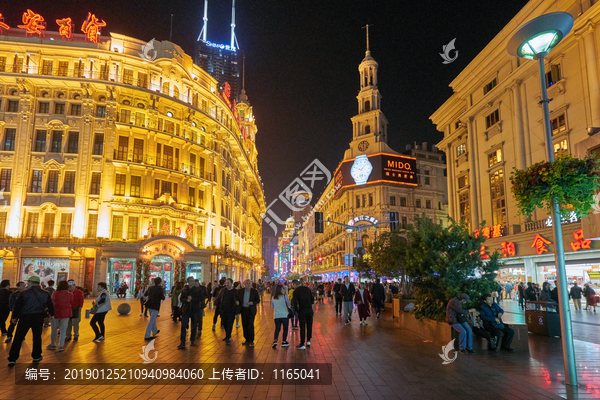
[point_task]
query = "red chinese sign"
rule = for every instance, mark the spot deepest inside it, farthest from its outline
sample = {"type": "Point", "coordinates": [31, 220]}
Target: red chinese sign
{"type": "Point", "coordinates": [33, 23]}
{"type": "Point", "coordinates": [489, 232]}
{"type": "Point", "coordinates": [189, 231]}
{"type": "Point", "coordinates": [508, 249]}
{"type": "Point", "coordinates": [2, 24]}
{"type": "Point", "coordinates": [580, 242]}
{"type": "Point", "coordinates": [483, 253]}
{"type": "Point", "coordinates": [65, 28]}
{"type": "Point", "coordinates": [540, 244]}
{"type": "Point", "coordinates": [91, 28]}
{"type": "Point", "coordinates": [227, 94]}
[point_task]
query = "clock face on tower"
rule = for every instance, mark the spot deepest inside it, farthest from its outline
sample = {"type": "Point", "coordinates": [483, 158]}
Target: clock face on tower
{"type": "Point", "coordinates": [363, 146]}
{"type": "Point", "coordinates": [361, 169]}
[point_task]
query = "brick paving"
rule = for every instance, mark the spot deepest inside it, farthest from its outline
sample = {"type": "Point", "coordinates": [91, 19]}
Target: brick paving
{"type": "Point", "coordinates": [378, 361]}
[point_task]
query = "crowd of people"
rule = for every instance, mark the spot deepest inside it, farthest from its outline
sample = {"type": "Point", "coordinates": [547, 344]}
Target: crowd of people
{"type": "Point", "coordinates": [549, 293]}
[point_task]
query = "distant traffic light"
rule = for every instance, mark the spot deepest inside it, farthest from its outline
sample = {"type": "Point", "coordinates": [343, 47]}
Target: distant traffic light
{"type": "Point", "coordinates": [318, 222]}
{"type": "Point", "coordinates": [394, 221]}
{"type": "Point", "coordinates": [320, 260]}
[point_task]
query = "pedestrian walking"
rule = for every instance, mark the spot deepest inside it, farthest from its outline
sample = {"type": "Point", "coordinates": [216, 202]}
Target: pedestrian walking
{"type": "Point", "coordinates": [215, 294]}
{"type": "Point", "coordinates": [175, 306]}
{"type": "Point", "coordinates": [261, 289]}
{"type": "Point", "coordinates": [249, 299]}
{"type": "Point", "coordinates": [76, 307]}
{"type": "Point", "coordinates": [590, 297]}
{"type": "Point", "coordinates": [377, 296]}
{"type": "Point", "coordinates": [362, 299]}
{"type": "Point", "coordinates": [202, 300]}
{"type": "Point", "coordinates": [281, 309]}
{"type": "Point", "coordinates": [521, 294]}
{"type": "Point", "coordinates": [61, 298]}
{"type": "Point", "coordinates": [294, 318]}
{"type": "Point", "coordinates": [236, 286]}
{"type": "Point", "coordinates": [142, 299]}
{"type": "Point", "coordinates": [156, 295]}
{"type": "Point", "coordinates": [337, 291]}
{"type": "Point", "coordinates": [11, 303]}
{"type": "Point", "coordinates": [31, 307]}
{"type": "Point", "coordinates": [190, 309]}
{"type": "Point", "coordinates": [100, 306]}
{"type": "Point", "coordinates": [50, 289]}
{"type": "Point", "coordinates": [348, 290]}
{"type": "Point", "coordinates": [4, 305]}
{"type": "Point", "coordinates": [304, 301]}
{"type": "Point", "coordinates": [575, 294]}
{"type": "Point", "coordinates": [228, 304]}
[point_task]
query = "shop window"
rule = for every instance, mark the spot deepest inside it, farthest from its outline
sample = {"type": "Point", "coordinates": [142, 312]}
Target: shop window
{"type": "Point", "coordinates": [32, 224]}
{"type": "Point", "coordinates": [48, 228]}
{"type": "Point", "coordinates": [117, 227]}
{"type": "Point", "coordinates": [9, 139]}
{"type": "Point", "coordinates": [92, 226]}
{"type": "Point", "coordinates": [136, 186]}
{"type": "Point", "coordinates": [95, 185]}
{"type": "Point", "coordinates": [36, 182]}
{"type": "Point", "coordinates": [52, 185]}
{"type": "Point", "coordinates": [132, 228]}
{"type": "Point", "coordinates": [69, 184]}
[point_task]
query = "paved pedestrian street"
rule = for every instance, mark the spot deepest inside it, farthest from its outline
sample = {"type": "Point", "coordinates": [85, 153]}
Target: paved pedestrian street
{"type": "Point", "coordinates": [378, 361]}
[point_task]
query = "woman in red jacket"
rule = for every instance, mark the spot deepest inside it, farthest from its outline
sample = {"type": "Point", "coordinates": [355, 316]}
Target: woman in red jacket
{"type": "Point", "coordinates": [362, 299]}
{"type": "Point", "coordinates": [62, 312]}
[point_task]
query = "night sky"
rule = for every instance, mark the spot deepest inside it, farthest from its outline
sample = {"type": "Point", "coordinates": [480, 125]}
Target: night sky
{"type": "Point", "coordinates": [302, 62]}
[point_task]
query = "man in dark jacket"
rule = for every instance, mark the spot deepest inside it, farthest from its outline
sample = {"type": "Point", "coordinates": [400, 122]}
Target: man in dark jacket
{"type": "Point", "coordinates": [228, 303]}
{"type": "Point", "coordinates": [575, 294]}
{"type": "Point", "coordinates": [378, 295]}
{"type": "Point", "coordinates": [4, 306]}
{"type": "Point", "coordinates": [303, 300]}
{"type": "Point", "coordinates": [31, 307]}
{"type": "Point", "coordinates": [337, 292]}
{"type": "Point", "coordinates": [457, 317]}
{"type": "Point", "coordinates": [530, 294]}
{"type": "Point", "coordinates": [521, 291]}
{"type": "Point", "coordinates": [248, 300]}
{"type": "Point", "coordinates": [191, 299]}
{"type": "Point", "coordinates": [202, 300]}
{"type": "Point", "coordinates": [348, 290]}
{"type": "Point", "coordinates": [11, 303]}
{"type": "Point", "coordinates": [156, 295]}
{"type": "Point", "coordinates": [491, 314]}
{"type": "Point", "coordinates": [215, 294]}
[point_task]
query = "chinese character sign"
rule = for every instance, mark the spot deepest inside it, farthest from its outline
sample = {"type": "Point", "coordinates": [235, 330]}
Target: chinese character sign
{"type": "Point", "coordinates": [227, 94]}
{"type": "Point", "coordinates": [65, 28]}
{"type": "Point", "coordinates": [483, 253]}
{"type": "Point", "coordinates": [540, 244]}
{"type": "Point", "coordinates": [91, 28]}
{"type": "Point", "coordinates": [2, 24]}
{"type": "Point", "coordinates": [33, 23]}
{"type": "Point", "coordinates": [508, 249]}
{"type": "Point", "coordinates": [580, 242]}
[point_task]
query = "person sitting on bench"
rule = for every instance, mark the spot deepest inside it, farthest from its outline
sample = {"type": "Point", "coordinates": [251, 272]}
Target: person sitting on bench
{"type": "Point", "coordinates": [479, 330]}
{"type": "Point", "coordinates": [491, 314]}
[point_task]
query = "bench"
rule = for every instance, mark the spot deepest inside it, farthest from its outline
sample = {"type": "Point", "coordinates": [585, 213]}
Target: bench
{"type": "Point", "coordinates": [520, 341]}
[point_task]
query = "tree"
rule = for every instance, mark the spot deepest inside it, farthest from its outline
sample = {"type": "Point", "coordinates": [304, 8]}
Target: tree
{"type": "Point", "coordinates": [363, 266]}
{"type": "Point", "coordinates": [444, 262]}
{"type": "Point", "coordinates": [386, 258]}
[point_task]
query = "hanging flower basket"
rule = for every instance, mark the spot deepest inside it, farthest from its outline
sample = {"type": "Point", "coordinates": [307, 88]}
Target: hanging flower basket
{"type": "Point", "coordinates": [571, 181]}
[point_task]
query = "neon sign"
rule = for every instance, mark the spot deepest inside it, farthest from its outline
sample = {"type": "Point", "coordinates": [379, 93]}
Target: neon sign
{"type": "Point", "coordinates": [91, 27]}
{"type": "Point", "coordinates": [540, 244]}
{"type": "Point", "coordinates": [580, 242]}
{"type": "Point", "coordinates": [221, 46]}
{"type": "Point", "coordinates": [227, 94]}
{"type": "Point", "coordinates": [366, 218]}
{"type": "Point", "coordinates": [2, 24]}
{"type": "Point", "coordinates": [33, 23]}
{"type": "Point", "coordinates": [483, 253]}
{"type": "Point", "coordinates": [65, 28]}
{"type": "Point", "coordinates": [489, 232]}
{"type": "Point", "coordinates": [508, 249]}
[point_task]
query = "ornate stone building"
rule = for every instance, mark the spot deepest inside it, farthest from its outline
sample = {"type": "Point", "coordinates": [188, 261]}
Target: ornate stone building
{"type": "Point", "coordinates": [114, 152]}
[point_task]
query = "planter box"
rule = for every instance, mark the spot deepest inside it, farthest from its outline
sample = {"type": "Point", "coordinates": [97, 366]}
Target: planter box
{"type": "Point", "coordinates": [437, 332]}
{"type": "Point", "coordinates": [399, 305]}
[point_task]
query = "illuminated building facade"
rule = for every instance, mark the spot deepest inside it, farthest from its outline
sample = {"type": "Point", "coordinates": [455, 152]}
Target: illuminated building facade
{"type": "Point", "coordinates": [109, 160]}
{"type": "Point", "coordinates": [370, 182]}
{"type": "Point", "coordinates": [493, 123]}
{"type": "Point", "coordinates": [222, 63]}
{"type": "Point", "coordinates": [286, 251]}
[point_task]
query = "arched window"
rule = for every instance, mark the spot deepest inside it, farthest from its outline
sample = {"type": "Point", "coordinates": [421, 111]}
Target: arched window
{"type": "Point", "coordinates": [371, 76]}
{"type": "Point", "coordinates": [367, 129]}
{"type": "Point", "coordinates": [365, 240]}
{"type": "Point", "coordinates": [367, 106]}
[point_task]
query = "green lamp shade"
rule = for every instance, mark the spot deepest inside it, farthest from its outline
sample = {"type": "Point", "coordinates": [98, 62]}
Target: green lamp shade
{"type": "Point", "coordinates": [541, 43]}
{"type": "Point", "coordinates": [540, 35]}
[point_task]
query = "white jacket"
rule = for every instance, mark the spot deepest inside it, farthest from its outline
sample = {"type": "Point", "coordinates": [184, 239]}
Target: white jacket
{"type": "Point", "coordinates": [104, 307]}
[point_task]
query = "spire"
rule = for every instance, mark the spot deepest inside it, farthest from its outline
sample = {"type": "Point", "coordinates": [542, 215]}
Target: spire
{"type": "Point", "coordinates": [367, 26]}
{"type": "Point", "coordinates": [243, 96]}
{"type": "Point", "coordinates": [205, 25]}
{"type": "Point", "coordinates": [233, 38]}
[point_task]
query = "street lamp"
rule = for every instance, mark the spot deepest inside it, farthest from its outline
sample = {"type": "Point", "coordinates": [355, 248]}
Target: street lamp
{"type": "Point", "coordinates": [534, 41]}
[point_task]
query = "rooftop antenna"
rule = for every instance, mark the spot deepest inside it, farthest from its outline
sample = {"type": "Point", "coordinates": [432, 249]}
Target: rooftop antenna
{"type": "Point", "coordinates": [234, 42]}
{"type": "Point", "coordinates": [205, 19]}
{"type": "Point", "coordinates": [171, 32]}
{"type": "Point", "coordinates": [367, 27]}
{"type": "Point", "coordinates": [244, 72]}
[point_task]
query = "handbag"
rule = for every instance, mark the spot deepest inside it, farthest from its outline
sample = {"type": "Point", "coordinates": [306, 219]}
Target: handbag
{"type": "Point", "coordinates": [94, 309]}
{"type": "Point", "coordinates": [290, 313]}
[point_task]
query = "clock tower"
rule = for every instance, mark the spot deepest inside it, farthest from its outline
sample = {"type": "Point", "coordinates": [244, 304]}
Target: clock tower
{"type": "Point", "coordinates": [369, 126]}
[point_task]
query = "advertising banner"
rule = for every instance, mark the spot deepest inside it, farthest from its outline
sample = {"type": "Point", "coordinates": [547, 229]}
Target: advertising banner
{"type": "Point", "coordinates": [45, 268]}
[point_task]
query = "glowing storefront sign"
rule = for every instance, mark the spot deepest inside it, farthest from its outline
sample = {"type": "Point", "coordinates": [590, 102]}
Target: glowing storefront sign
{"type": "Point", "coordinates": [540, 244]}
{"type": "Point", "coordinates": [580, 242]}
{"type": "Point", "coordinates": [2, 24]}
{"type": "Point", "coordinates": [508, 249]}
{"type": "Point", "coordinates": [33, 23]}
{"type": "Point", "coordinates": [366, 218]}
{"type": "Point", "coordinates": [65, 27]}
{"type": "Point", "coordinates": [221, 46]}
{"type": "Point", "coordinates": [489, 232]}
{"type": "Point", "coordinates": [483, 252]}
{"type": "Point", "coordinates": [91, 27]}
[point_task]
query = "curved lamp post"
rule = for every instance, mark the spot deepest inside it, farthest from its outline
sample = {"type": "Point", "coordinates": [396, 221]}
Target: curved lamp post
{"type": "Point", "coordinates": [534, 41]}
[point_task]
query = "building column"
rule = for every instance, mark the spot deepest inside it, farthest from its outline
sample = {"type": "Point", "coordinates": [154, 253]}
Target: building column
{"type": "Point", "coordinates": [473, 199]}
{"type": "Point", "coordinates": [521, 162]}
{"type": "Point", "coordinates": [587, 33]}
{"type": "Point", "coordinates": [450, 178]}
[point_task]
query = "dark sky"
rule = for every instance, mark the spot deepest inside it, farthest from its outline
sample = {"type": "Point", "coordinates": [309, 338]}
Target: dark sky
{"type": "Point", "coordinates": [302, 62]}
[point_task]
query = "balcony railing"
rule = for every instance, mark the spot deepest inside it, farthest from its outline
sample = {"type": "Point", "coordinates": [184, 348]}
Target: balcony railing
{"type": "Point", "coordinates": [547, 223]}
{"type": "Point", "coordinates": [162, 162]}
